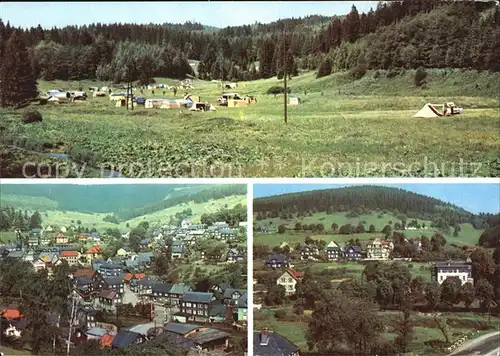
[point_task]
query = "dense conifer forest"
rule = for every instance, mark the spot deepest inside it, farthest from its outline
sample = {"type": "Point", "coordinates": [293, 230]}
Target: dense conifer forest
{"type": "Point", "coordinates": [369, 200]}
{"type": "Point", "coordinates": [398, 34]}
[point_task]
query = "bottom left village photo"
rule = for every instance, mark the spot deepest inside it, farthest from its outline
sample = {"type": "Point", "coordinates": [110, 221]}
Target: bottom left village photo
{"type": "Point", "coordinates": [123, 269]}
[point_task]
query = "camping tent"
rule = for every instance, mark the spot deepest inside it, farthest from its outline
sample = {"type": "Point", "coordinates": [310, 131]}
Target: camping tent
{"type": "Point", "coordinates": [428, 110]}
{"type": "Point", "coordinates": [197, 106]}
{"type": "Point", "coordinates": [120, 103]}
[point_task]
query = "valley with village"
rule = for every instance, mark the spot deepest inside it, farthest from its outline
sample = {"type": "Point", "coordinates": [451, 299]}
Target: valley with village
{"type": "Point", "coordinates": [373, 270]}
{"type": "Point", "coordinates": [190, 100]}
{"type": "Point", "coordinates": [171, 282]}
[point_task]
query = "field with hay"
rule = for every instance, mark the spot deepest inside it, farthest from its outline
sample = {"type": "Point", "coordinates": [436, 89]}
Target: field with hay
{"type": "Point", "coordinates": [342, 127]}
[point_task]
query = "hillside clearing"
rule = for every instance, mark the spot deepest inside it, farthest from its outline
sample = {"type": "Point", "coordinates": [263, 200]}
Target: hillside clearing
{"type": "Point", "coordinates": [343, 127]}
{"type": "Point", "coordinates": [67, 218]}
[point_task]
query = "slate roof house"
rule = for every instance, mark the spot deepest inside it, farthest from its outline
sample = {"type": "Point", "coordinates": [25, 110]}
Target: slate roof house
{"type": "Point", "coordinates": [191, 336]}
{"type": "Point", "coordinates": [309, 252]}
{"type": "Point", "coordinates": [112, 283]}
{"type": "Point", "coordinates": [443, 270]}
{"type": "Point", "coordinates": [242, 306]}
{"type": "Point", "coordinates": [177, 292]}
{"type": "Point", "coordinates": [232, 295]}
{"type": "Point", "coordinates": [277, 261]}
{"type": "Point", "coordinates": [194, 306]}
{"type": "Point", "coordinates": [108, 299]}
{"type": "Point", "coordinates": [352, 252]}
{"type": "Point", "coordinates": [220, 288]}
{"type": "Point", "coordinates": [233, 255]}
{"type": "Point", "coordinates": [142, 286]}
{"type": "Point", "coordinates": [108, 269]}
{"type": "Point", "coordinates": [159, 292]}
{"type": "Point", "coordinates": [266, 343]}
{"type": "Point", "coordinates": [126, 338]}
{"type": "Point", "coordinates": [333, 252]}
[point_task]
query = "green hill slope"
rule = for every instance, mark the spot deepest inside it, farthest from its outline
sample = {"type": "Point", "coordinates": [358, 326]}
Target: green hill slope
{"type": "Point", "coordinates": [67, 218]}
{"type": "Point", "coordinates": [26, 202]}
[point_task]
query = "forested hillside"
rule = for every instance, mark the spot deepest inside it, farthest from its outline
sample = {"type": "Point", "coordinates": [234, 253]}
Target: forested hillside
{"type": "Point", "coordinates": [366, 200]}
{"type": "Point", "coordinates": [127, 201]}
{"type": "Point", "coordinates": [406, 34]}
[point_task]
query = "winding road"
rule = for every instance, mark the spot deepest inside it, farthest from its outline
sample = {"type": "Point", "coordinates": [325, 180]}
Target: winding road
{"type": "Point", "coordinates": [486, 345]}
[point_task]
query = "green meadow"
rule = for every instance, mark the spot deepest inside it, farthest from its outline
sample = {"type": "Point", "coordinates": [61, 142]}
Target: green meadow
{"type": "Point", "coordinates": [343, 127]}
{"type": "Point", "coordinates": [66, 218]}
{"type": "Point", "coordinates": [467, 236]}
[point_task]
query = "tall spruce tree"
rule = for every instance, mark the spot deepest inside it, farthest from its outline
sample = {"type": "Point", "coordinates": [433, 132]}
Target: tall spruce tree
{"type": "Point", "coordinates": [18, 83]}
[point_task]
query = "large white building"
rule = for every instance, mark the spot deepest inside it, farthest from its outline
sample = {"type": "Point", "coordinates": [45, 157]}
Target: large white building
{"type": "Point", "coordinates": [379, 249]}
{"type": "Point", "coordinates": [462, 270]}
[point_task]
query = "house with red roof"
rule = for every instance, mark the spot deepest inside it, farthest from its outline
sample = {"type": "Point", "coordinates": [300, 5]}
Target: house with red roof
{"type": "Point", "coordinates": [11, 314]}
{"type": "Point", "coordinates": [288, 279]}
{"type": "Point", "coordinates": [131, 276]}
{"type": "Point", "coordinates": [94, 252]}
{"type": "Point", "coordinates": [71, 257]}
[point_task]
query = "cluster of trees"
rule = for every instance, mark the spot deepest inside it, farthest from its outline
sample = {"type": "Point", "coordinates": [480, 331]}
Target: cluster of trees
{"type": "Point", "coordinates": [429, 34]}
{"type": "Point", "coordinates": [367, 200]}
{"type": "Point", "coordinates": [42, 300]}
{"type": "Point", "coordinates": [232, 216]}
{"type": "Point", "coordinates": [490, 238]}
{"type": "Point", "coordinates": [348, 314]}
{"type": "Point", "coordinates": [147, 349]}
{"type": "Point", "coordinates": [22, 220]}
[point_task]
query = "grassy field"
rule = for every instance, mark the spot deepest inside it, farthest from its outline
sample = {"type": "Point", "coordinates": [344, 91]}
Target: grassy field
{"type": "Point", "coordinates": [7, 236]}
{"type": "Point", "coordinates": [467, 236]}
{"type": "Point", "coordinates": [343, 127]}
{"type": "Point", "coordinates": [67, 218]}
{"type": "Point", "coordinates": [425, 329]}
{"type": "Point", "coordinates": [353, 270]}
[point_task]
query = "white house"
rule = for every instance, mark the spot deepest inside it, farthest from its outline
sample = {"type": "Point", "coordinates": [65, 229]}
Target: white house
{"type": "Point", "coordinates": [463, 271]}
{"type": "Point", "coordinates": [289, 280]}
{"type": "Point", "coordinates": [379, 249]}
{"type": "Point", "coordinates": [186, 223]}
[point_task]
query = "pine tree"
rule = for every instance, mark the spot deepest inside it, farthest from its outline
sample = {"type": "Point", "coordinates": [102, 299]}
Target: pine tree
{"type": "Point", "coordinates": [266, 65]}
{"type": "Point", "coordinates": [351, 25]}
{"type": "Point", "coordinates": [18, 83]}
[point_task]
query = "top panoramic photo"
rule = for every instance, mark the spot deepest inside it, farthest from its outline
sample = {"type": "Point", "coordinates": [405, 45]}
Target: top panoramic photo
{"type": "Point", "coordinates": [250, 89]}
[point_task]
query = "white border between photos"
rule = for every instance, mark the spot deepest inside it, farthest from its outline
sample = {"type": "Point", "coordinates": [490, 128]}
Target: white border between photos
{"type": "Point", "coordinates": [249, 269]}
{"type": "Point", "coordinates": [102, 181]}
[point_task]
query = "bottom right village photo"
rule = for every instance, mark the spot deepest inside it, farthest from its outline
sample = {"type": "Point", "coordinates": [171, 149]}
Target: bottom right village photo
{"type": "Point", "coordinates": [392, 269]}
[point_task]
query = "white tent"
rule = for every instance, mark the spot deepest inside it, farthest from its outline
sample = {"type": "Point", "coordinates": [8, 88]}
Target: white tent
{"type": "Point", "coordinates": [428, 110]}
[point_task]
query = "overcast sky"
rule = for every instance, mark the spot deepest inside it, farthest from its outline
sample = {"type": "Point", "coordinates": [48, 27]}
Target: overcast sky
{"type": "Point", "coordinates": [213, 13]}
{"type": "Point", "coordinates": [475, 198]}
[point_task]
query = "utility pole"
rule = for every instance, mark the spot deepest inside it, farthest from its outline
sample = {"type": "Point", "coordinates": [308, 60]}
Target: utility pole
{"type": "Point", "coordinates": [70, 322]}
{"type": "Point", "coordinates": [285, 96]}
{"type": "Point", "coordinates": [127, 95]}
{"type": "Point", "coordinates": [132, 96]}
